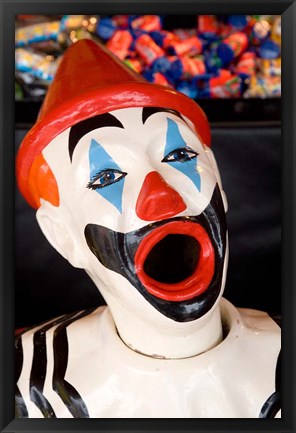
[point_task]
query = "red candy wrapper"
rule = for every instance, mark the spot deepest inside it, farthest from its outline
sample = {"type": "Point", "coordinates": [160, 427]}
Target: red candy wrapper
{"type": "Point", "coordinates": [121, 21]}
{"type": "Point", "coordinates": [186, 67]}
{"type": "Point", "coordinates": [195, 66]}
{"type": "Point", "coordinates": [224, 30]}
{"type": "Point", "coordinates": [163, 38]}
{"type": "Point", "coordinates": [147, 49]}
{"type": "Point", "coordinates": [148, 23]}
{"type": "Point", "coordinates": [159, 78]}
{"type": "Point", "coordinates": [119, 43]}
{"type": "Point", "coordinates": [191, 47]}
{"type": "Point", "coordinates": [225, 85]}
{"type": "Point", "coordinates": [207, 25]}
{"type": "Point", "coordinates": [135, 64]}
{"type": "Point", "coordinates": [247, 64]}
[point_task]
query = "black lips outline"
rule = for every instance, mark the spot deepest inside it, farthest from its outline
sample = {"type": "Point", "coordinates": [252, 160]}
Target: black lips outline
{"type": "Point", "coordinates": [116, 251]}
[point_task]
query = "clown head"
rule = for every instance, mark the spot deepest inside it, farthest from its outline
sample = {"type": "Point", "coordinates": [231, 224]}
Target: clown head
{"type": "Point", "coordinates": [127, 188]}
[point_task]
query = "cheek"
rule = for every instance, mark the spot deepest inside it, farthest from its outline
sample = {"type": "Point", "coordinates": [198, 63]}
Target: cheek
{"type": "Point", "coordinates": [113, 194]}
{"type": "Point", "coordinates": [190, 170]}
{"type": "Point", "coordinates": [195, 182]}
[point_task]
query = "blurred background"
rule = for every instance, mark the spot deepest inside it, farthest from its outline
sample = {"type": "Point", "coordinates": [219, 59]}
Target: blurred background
{"type": "Point", "coordinates": [231, 65]}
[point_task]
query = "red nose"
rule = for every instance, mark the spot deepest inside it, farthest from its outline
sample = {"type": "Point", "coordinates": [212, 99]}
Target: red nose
{"type": "Point", "coordinates": [158, 200]}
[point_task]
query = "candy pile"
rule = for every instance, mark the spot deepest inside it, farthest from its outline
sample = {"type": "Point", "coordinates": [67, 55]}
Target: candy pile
{"type": "Point", "coordinates": [40, 44]}
{"type": "Point", "coordinates": [220, 57]}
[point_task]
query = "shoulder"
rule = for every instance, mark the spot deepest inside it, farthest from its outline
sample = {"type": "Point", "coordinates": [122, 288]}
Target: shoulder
{"type": "Point", "coordinates": [37, 343]}
{"type": "Point", "coordinates": [60, 323]}
{"type": "Point", "coordinates": [255, 335]}
{"type": "Point", "coordinates": [42, 356]}
{"type": "Point", "coordinates": [248, 320]}
{"type": "Point", "coordinates": [252, 348]}
{"type": "Point", "coordinates": [260, 320]}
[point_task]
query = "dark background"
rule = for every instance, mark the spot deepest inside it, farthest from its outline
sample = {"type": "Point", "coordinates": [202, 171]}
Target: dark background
{"type": "Point", "coordinates": [249, 158]}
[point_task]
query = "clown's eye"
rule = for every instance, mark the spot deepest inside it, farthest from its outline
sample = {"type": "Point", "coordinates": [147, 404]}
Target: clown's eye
{"type": "Point", "coordinates": [180, 155]}
{"type": "Point", "coordinates": [106, 178]}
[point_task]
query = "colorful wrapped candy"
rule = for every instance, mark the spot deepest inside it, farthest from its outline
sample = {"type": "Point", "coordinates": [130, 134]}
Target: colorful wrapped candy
{"type": "Point", "coordinates": [120, 43]}
{"type": "Point", "coordinates": [269, 67]}
{"type": "Point", "coordinates": [40, 66]}
{"type": "Point", "coordinates": [135, 64]}
{"type": "Point", "coordinates": [156, 78]}
{"type": "Point", "coordinates": [163, 38]}
{"type": "Point", "coordinates": [193, 60]}
{"type": "Point", "coordinates": [148, 23]}
{"type": "Point", "coordinates": [269, 50]}
{"type": "Point", "coordinates": [266, 87]}
{"type": "Point", "coordinates": [186, 67]}
{"type": "Point", "coordinates": [207, 26]}
{"type": "Point", "coordinates": [37, 33]}
{"type": "Point", "coordinates": [276, 31]}
{"type": "Point", "coordinates": [247, 64]}
{"type": "Point", "coordinates": [260, 32]}
{"type": "Point", "coordinates": [225, 85]}
{"type": "Point", "coordinates": [232, 47]}
{"type": "Point", "coordinates": [147, 49]}
{"type": "Point", "coordinates": [191, 47]}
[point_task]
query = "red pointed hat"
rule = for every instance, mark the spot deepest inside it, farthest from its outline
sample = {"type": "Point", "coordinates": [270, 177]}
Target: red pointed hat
{"type": "Point", "coordinates": [90, 81]}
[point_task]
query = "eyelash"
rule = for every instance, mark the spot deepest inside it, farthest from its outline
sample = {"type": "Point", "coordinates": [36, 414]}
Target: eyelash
{"type": "Point", "coordinates": [109, 181]}
{"type": "Point", "coordinates": [178, 158]}
{"type": "Point", "coordinates": [182, 155]}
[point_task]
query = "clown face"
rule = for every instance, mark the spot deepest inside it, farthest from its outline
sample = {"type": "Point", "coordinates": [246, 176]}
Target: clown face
{"type": "Point", "coordinates": [142, 210]}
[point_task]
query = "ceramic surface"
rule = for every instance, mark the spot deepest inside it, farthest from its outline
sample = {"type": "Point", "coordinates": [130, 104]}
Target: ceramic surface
{"type": "Point", "coordinates": [104, 378]}
{"type": "Point", "coordinates": [132, 260]}
{"type": "Point", "coordinates": [127, 188]}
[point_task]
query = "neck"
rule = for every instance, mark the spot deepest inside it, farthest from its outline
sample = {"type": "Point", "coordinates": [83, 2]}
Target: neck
{"type": "Point", "coordinates": [172, 341]}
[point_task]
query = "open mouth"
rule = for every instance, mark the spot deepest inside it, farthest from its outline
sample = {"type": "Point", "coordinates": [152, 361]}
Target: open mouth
{"type": "Point", "coordinates": [175, 264]}
{"type": "Point", "coordinates": [176, 261]}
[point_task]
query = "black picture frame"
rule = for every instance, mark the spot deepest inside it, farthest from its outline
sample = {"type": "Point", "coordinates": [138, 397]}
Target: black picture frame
{"type": "Point", "coordinates": [9, 9]}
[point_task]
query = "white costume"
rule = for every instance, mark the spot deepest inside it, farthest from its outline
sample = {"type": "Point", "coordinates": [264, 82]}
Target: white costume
{"type": "Point", "coordinates": [232, 380]}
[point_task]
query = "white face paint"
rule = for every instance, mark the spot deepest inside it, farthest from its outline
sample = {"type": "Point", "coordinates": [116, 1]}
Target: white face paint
{"type": "Point", "coordinates": [136, 149]}
{"type": "Point", "coordinates": [101, 184]}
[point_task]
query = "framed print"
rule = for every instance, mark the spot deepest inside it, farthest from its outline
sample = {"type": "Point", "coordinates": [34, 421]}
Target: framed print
{"type": "Point", "coordinates": [160, 135]}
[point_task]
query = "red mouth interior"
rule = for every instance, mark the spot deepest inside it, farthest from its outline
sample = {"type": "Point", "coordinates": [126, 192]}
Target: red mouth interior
{"type": "Point", "coordinates": [176, 261]}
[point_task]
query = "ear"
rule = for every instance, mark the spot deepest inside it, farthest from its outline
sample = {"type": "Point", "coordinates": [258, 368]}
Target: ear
{"type": "Point", "coordinates": [54, 224]}
{"type": "Point", "coordinates": [214, 165]}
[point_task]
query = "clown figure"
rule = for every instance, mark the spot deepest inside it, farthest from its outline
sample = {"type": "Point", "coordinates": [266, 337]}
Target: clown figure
{"type": "Point", "coordinates": [126, 187]}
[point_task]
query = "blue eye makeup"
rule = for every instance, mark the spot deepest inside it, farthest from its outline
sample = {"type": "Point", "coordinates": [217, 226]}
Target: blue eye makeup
{"type": "Point", "coordinates": [179, 155]}
{"type": "Point", "coordinates": [106, 177]}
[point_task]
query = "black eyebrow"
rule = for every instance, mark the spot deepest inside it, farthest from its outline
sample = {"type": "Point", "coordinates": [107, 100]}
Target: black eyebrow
{"type": "Point", "coordinates": [148, 111]}
{"type": "Point", "coordinates": [81, 128]}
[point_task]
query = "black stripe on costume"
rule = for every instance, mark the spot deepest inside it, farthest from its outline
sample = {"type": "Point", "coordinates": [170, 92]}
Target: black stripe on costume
{"type": "Point", "coordinates": [273, 403]}
{"type": "Point", "coordinates": [271, 406]}
{"type": "Point", "coordinates": [21, 410]}
{"type": "Point", "coordinates": [69, 395]}
{"type": "Point", "coordinates": [39, 367]}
